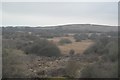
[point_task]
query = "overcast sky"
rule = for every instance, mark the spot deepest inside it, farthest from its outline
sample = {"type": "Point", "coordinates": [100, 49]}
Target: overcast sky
{"type": "Point", "coordinates": [58, 13]}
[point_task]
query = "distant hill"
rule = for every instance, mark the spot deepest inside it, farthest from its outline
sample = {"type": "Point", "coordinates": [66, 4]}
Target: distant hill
{"type": "Point", "coordinates": [66, 28]}
{"type": "Point", "coordinates": [88, 27]}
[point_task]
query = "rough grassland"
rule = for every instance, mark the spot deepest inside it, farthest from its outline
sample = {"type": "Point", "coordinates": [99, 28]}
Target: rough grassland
{"type": "Point", "coordinates": [78, 47]}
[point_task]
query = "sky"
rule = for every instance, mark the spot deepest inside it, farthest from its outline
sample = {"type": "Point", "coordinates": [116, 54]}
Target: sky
{"type": "Point", "coordinates": [59, 13]}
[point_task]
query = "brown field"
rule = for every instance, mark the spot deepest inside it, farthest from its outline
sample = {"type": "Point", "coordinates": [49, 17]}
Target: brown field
{"type": "Point", "coordinates": [56, 39]}
{"type": "Point", "coordinates": [78, 47]}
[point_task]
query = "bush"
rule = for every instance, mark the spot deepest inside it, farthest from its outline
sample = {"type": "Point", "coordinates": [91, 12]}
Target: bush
{"type": "Point", "coordinates": [100, 70]}
{"type": "Point", "coordinates": [72, 69]}
{"type": "Point", "coordinates": [99, 47]}
{"type": "Point", "coordinates": [13, 66]}
{"type": "Point", "coordinates": [106, 66]}
{"type": "Point", "coordinates": [71, 52]}
{"type": "Point", "coordinates": [112, 49]}
{"type": "Point", "coordinates": [93, 36]}
{"type": "Point", "coordinates": [42, 48]}
{"type": "Point", "coordinates": [79, 37]}
{"type": "Point", "coordinates": [108, 49]}
{"type": "Point", "coordinates": [64, 41]}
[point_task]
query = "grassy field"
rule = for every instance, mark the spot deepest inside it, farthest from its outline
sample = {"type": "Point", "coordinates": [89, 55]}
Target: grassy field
{"type": "Point", "coordinates": [78, 47]}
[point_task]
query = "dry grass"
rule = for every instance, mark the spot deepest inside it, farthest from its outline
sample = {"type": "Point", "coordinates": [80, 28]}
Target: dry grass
{"type": "Point", "coordinates": [57, 39]}
{"type": "Point", "coordinates": [78, 47]}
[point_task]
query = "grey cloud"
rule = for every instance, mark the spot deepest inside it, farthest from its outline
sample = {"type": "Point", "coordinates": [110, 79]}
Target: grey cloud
{"type": "Point", "coordinates": [95, 10]}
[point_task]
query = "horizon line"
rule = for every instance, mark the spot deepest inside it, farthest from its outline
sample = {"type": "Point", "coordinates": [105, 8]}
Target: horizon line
{"type": "Point", "coordinates": [57, 25]}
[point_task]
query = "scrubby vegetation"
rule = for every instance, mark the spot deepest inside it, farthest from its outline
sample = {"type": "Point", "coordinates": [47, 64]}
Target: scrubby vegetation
{"type": "Point", "coordinates": [31, 44]}
{"type": "Point", "coordinates": [80, 37]}
{"type": "Point", "coordinates": [101, 70]}
{"type": "Point", "coordinates": [28, 52]}
{"type": "Point", "coordinates": [13, 64]}
{"type": "Point", "coordinates": [65, 41]}
{"type": "Point", "coordinates": [42, 48]}
{"type": "Point", "coordinates": [72, 69]}
{"type": "Point", "coordinates": [107, 65]}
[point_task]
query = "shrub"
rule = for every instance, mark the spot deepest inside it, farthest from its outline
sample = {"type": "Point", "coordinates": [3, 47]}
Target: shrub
{"type": "Point", "coordinates": [71, 52]}
{"type": "Point", "coordinates": [100, 70]}
{"type": "Point", "coordinates": [13, 66]}
{"type": "Point", "coordinates": [93, 36]}
{"type": "Point", "coordinates": [64, 41]}
{"type": "Point", "coordinates": [112, 49]}
{"type": "Point", "coordinates": [99, 47]}
{"type": "Point", "coordinates": [79, 37]}
{"type": "Point", "coordinates": [106, 66]}
{"type": "Point", "coordinates": [72, 69]}
{"type": "Point", "coordinates": [42, 48]}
